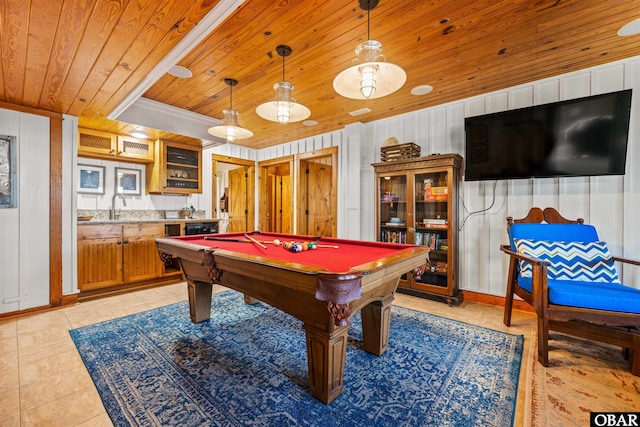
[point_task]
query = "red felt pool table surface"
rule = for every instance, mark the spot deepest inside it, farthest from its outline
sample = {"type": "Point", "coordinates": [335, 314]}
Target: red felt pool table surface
{"type": "Point", "coordinates": [342, 256]}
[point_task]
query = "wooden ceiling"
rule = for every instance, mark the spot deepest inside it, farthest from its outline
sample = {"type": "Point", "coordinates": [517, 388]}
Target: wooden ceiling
{"type": "Point", "coordinates": [84, 57]}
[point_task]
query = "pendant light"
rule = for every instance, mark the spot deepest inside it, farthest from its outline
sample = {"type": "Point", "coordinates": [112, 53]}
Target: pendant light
{"type": "Point", "coordinates": [229, 128]}
{"type": "Point", "coordinates": [283, 108]}
{"type": "Point", "coordinates": [371, 76]}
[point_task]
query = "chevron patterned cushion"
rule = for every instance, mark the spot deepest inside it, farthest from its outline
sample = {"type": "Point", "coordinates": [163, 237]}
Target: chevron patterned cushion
{"type": "Point", "coordinates": [579, 261]}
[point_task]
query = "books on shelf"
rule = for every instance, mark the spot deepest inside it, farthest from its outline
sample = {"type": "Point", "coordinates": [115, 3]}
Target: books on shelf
{"type": "Point", "coordinates": [436, 193]}
{"type": "Point", "coordinates": [435, 223]}
{"type": "Point", "coordinates": [432, 240]}
{"type": "Point", "coordinates": [391, 236]}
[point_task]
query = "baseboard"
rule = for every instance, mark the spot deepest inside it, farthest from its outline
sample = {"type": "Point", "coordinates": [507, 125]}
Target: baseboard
{"type": "Point", "coordinates": [495, 300]}
{"type": "Point", "coordinates": [125, 289]}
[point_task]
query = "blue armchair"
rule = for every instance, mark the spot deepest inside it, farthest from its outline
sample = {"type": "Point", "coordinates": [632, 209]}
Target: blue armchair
{"type": "Point", "coordinates": [566, 273]}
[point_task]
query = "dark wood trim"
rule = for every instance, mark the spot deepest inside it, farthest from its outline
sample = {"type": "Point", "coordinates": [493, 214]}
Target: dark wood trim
{"type": "Point", "coordinates": [30, 110]}
{"type": "Point", "coordinates": [55, 212]}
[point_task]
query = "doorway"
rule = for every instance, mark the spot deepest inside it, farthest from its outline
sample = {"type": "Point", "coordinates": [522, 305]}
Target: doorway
{"type": "Point", "coordinates": [275, 209]}
{"type": "Point", "coordinates": [233, 193]}
{"type": "Point", "coordinates": [317, 188]}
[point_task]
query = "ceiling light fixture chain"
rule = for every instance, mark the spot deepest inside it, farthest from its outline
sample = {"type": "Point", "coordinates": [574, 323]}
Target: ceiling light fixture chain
{"type": "Point", "coordinates": [371, 76]}
{"type": "Point", "coordinates": [283, 108]}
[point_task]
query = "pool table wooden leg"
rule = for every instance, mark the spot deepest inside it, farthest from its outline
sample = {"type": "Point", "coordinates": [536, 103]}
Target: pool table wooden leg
{"type": "Point", "coordinates": [376, 318]}
{"type": "Point", "coordinates": [326, 355]}
{"type": "Point", "coordinates": [199, 300]}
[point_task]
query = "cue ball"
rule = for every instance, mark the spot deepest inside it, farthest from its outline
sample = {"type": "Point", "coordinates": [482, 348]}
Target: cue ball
{"type": "Point", "coordinates": [276, 242]}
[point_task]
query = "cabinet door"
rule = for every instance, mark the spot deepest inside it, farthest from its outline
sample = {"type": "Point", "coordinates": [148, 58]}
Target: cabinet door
{"type": "Point", "coordinates": [99, 256]}
{"type": "Point", "coordinates": [393, 209]}
{"type": "Point", "coordinates": [432, 228]}
{"type": "Point", "coordinates": [135, 149]}
{"type": "Point", "coordinates": [141, 259]}
{"type": "Point", "coordinates": [96, 144]}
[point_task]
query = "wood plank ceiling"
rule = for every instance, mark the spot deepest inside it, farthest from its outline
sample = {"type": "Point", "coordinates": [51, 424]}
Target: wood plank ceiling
{"type": "Point", "coordinates": [83, 57]}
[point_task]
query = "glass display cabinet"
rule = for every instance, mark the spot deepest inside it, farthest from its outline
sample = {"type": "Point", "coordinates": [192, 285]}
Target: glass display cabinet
{"type": "Point", "coordinates": [417, 203]}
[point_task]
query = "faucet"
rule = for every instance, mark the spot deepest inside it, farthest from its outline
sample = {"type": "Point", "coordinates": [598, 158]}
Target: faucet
{"type": "Point", "coordinates": [113, 204]}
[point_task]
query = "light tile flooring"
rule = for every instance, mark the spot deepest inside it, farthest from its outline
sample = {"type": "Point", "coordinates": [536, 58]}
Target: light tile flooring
{"type": "Point", "coordinates": [43, 381]}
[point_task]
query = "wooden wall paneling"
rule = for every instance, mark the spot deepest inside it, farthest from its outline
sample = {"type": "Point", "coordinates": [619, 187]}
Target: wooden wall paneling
{"type": "Point", "coordinates": [35, 210]}
{"type": "Point", "coordinates": [10, 232]}
{"type": "Point", "coordinates": [456, 135]}
{"type": "Point", "coordinates": [437, 132]}
{"type": "Point", "coordinates": [575, 85]}
{"type": "Point", "coordinates": [546, 92]}
{"type": "Point", "coordinates": [632, 178]}
{"type": "Point", "coordinates": [520, 97]}
{"type": "Point", "coordinates": [608, 78]}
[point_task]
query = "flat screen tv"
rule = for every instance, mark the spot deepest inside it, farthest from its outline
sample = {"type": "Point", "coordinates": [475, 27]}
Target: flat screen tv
{"type": "Point", "coordinates": [578, 137]}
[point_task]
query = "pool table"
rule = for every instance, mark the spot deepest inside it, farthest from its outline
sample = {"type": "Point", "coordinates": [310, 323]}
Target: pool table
{"type": "Point", "coordinates": [322, 287]}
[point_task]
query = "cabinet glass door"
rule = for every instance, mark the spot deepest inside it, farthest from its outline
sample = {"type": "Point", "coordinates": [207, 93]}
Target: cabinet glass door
{"type": "Point", "coordinates": [432, 224]}
{"type": "Point", "coordinates": [393, 208]}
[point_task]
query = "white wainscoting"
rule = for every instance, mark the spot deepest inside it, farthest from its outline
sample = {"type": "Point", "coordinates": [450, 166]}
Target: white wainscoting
{"type": "Point", "coordinates": [24, 231]}
{"type": "Point", "coordinates": [611, 203]}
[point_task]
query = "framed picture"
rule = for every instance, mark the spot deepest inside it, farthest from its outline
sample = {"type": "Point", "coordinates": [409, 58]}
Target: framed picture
{"type": "Point", "coordinates": [128, 181]}
{"type": "Point", "coordinates": [91, 179]}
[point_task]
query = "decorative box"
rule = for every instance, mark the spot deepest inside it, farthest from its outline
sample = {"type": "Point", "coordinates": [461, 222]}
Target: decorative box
{"type": "Point", "coordinates": [399, 152]}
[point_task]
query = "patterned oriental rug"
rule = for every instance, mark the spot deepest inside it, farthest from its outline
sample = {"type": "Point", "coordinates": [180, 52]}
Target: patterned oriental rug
{"type": "Point", "coordinates": [247, 366]}
{"type": "Point", "coordinates": [583, 376]}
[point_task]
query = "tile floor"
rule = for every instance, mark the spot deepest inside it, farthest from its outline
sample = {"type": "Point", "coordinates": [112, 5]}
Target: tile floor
{"type": "Point", "coordinates": [43, 381]}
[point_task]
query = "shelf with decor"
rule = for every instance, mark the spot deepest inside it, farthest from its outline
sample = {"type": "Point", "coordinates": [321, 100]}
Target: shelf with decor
{"type": "Point", "coordinates": [416, 204]}
{"type": "Point", "coordinates": [177, 169]}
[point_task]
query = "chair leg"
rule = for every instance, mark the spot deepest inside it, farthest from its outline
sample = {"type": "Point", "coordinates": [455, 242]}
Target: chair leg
{"type": "Point", "coordinates": [543, 341]}
{"type": "Point", "coordinates": [635, 356]}
{"type": "Point", "coordinates": [508, 300]}
{"type": "Point", "coordinates": [508, 307]}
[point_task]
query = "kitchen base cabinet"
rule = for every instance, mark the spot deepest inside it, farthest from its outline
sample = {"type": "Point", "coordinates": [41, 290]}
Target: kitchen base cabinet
{"type": "Point", "coordinates": [113, 255]}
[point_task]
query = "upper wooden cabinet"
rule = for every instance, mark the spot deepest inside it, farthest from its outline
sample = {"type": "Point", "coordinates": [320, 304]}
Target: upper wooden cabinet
{"type": "Point", "coordinates": [176, 170]}
{"type": "Point", "coordinates": [110, 146]}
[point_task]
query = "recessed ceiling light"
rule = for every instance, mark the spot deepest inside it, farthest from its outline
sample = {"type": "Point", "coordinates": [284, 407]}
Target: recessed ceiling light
{"type": "Point", "coordinates": [421, 90]}
{"type": "Point", "coordinates": [138, 134]}
{"type": "Point", "coordinates": [360, 111]}
{"type": "Point", "coordinates": [310, 123]}
{"type": "Point", "coordinates": [630, 29]}
{"type": "Point", "coordinates": [180, 71]}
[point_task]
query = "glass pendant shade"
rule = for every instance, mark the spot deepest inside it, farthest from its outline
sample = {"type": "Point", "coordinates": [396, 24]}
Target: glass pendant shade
{"type": "Point", "coordinates": [371, 76]}
{"type": "Point", "coordinates": [229, 128]}
{"type": "Point", "coordinates": [283, 109]}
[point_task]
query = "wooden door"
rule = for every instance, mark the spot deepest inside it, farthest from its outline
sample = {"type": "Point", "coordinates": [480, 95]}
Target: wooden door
{"type": "Point", "coordinates": [99, 256]}
{"type": "Point", "coordinates": [140, 255]}
{"type": "Point", "coordinates": [275, 208]}
{"type": "Point", "coordinates": [238, 200]}
{"type": "Point", "coordinates": [318, 208]}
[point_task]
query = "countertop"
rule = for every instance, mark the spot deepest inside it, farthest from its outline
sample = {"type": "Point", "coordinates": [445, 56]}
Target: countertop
{"type": "Point", "coordinates": [147, 221]}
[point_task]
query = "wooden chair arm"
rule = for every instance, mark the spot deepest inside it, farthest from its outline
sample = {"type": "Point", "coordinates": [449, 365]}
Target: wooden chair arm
{"type": "Point", "coordinates": [626, 260]}
{"type": "Point", "coordinates": [539, 285]}
{"type": "Point", "coordinates": [532, 260]}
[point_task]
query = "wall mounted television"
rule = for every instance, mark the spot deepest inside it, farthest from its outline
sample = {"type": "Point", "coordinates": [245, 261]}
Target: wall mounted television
{"type": "Point", "coordinates": [578, 137]}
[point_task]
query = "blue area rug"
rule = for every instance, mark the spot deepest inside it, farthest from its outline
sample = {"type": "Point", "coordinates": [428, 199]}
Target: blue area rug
{"type": "Point", "coordinates": [247, 366]}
